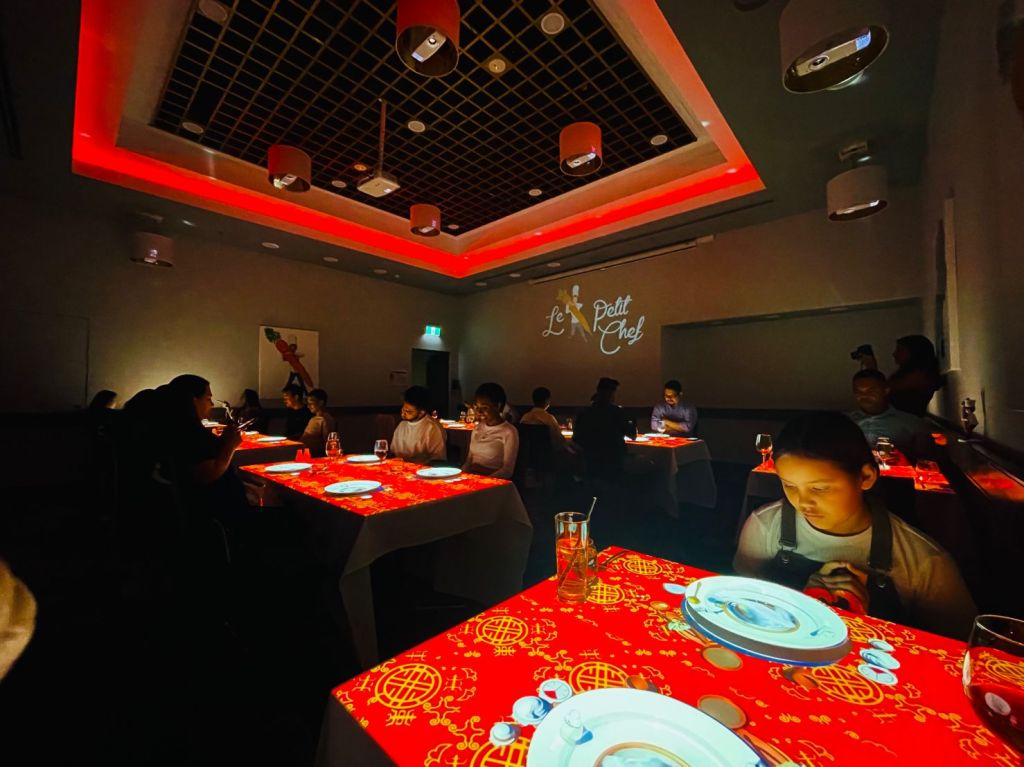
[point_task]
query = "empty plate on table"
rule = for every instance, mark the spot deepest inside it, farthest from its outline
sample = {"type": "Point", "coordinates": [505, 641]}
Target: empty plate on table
{"type": "Point", "coordinates": [637, 727]}
{"type": "Point", "coordinates": [352, 487]}
{"type": "Point", "coordinates": [288, 468]}
{"type": "Point", "coordinates": [653, 434]}
{"type": "Point", "coordinates": [766, 620]}
{"type": "Point", "coordinates": [566, 433]}
{"type": "Point", "coordinates": [363, 458]}
{"type": "Point", "coordinates": [249, 433]}
{"type": "Point", "coordinates": [439, 472]}
{"type": "Point", "coordinates": [642, 438]}
{"type": "Point", "coordinates": [271, 439]}
{"type": "Point", "coordinates": [448, 420]}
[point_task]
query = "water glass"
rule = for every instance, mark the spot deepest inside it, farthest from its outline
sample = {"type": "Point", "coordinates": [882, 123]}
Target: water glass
{"type": "Point", "coordinates": [575, 557]}
{"type": "Point", "coordinates": [884, 449]}
{"type": "Point", "coordinates": [380, 449]}
{"type": "Point", "coordinates": [332, 448]}
{"type": "Point", "coordinates": [994, 676]}
{"type": "Point", "coordinates": [763, 444]}
{"type": "Point", "coordinates": [462, 416]}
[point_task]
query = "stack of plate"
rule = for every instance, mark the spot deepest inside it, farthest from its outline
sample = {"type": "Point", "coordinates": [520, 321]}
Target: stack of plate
{"type": "Point", "coordinates": [765, 620]}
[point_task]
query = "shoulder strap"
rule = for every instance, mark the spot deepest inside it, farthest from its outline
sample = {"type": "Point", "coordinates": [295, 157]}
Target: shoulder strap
{"type": "Point", "coordinates": [787, 530]}
{"type": "Point", "coordinates": [880, 556]}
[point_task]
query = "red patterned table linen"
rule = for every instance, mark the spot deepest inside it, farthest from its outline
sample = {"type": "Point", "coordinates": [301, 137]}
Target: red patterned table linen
{"type": "Point", "coordinates": [435, 704]}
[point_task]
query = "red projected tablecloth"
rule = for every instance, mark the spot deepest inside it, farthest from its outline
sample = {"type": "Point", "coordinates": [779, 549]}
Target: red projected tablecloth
{"type": "Point", "coordinates": [436, 703]}
{"type": "Point", "coordinates": [252, 450]}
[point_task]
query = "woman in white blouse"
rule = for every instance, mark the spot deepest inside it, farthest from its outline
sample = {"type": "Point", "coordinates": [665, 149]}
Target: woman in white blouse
{"type": "Point", "coordinates": [495, 442]}
{"type": "Point", "coordinates": [418, 438]}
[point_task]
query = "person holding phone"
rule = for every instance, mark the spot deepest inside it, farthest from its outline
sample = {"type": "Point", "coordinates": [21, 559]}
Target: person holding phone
{"type": "Point", "coordinates": [828, 535]}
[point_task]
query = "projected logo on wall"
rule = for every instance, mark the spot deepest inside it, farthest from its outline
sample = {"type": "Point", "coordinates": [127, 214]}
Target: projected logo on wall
{"type": "Point", "coordinates": [610, 322]}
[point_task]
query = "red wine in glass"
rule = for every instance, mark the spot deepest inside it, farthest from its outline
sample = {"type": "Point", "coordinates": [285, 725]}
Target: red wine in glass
{"type": "Point", "coordinates": [1001, 708]}
{"type": "Point", "coordinates": [994, 676]}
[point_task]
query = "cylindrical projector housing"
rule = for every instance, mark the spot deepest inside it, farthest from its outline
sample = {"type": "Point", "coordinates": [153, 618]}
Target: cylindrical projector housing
{"type": "Point", "coordinates": [427, 35]}
{"type": "Point", "coordinates": [826, 44]}
{"type": "Point", "coordinates": [289, 168]}
{"type": "Point", "coordinates": [425, 220]}
{"type": "Point", "coordinates": [857, 193]}
{"type": "Point", "coordinates": [152, 249]}
{"type": "Point", "coordinates": [579, 149]}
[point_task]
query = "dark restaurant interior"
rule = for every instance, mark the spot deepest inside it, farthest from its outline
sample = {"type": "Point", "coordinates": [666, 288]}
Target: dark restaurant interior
{"type": "Point", "coordinates": [512, 383]}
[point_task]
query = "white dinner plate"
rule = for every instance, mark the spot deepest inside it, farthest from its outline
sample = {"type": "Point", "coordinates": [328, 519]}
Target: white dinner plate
{"type": "Point", "coordinates": [288, 468]}
{"type": "Point", "coordinates": [352, 487]}
{"type": "Point", "coordinates": [636, 725]}
{"type": "Point", "coordinates": [566, 433]}
{"type": "Point", "coordinates": [641, 438]}
{"type": "Point", "coordinates": [363, 458]}
{"type": "Point", "coordinates": [448, 420]}
{"type": "Point", "coordinates": [439, 472]}
{"type": "Point", "coordinates": [766, 620]}
{"type": "Point", "coordinates": [249, 433]}
{"type": "Point", "coordinates": [272, 439]}
{"type": "Point", "coordinates": [653, 434]}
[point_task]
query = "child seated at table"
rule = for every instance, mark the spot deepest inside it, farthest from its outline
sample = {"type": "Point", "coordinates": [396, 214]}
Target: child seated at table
{"type": "Point", "coordinates": [495, 442]}
{"type": "Point", "coordinates": [828, 534]}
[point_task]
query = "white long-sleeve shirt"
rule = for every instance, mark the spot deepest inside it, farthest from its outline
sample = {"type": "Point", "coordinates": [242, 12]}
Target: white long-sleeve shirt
{"type": "Point", "coordinates": [494, 449]}
{"type": "Point", "coordinates": [419, 441]}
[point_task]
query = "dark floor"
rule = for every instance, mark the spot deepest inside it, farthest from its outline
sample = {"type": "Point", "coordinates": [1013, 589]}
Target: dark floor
{"type": "Point", "coordinates": [122, 671]}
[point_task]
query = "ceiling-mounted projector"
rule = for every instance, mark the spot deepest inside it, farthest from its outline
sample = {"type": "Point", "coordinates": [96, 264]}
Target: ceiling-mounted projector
{"type": "Point", "coordinates": [378, 184]}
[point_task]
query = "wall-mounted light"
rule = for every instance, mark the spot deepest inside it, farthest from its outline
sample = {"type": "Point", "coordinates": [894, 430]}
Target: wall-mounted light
{"type": "Point", "coordinates": [432, 330]}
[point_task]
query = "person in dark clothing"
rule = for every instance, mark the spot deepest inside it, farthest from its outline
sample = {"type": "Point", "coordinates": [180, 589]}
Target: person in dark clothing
{"type": "Point", "coordinates": [917, 375]}
{"type": "Point", "coordinates": [600, 430]}
{"type": "Point", "coordinates": [250, 409]}
{"type": "Point", "coordinates": [104, 400]}
{"type": "Point", "coordinates": [298, 414]}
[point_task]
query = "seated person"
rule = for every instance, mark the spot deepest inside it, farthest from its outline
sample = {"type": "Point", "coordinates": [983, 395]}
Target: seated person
{"type": "Point", "coordinates": [600, 430]}
{"type": "Point", "coordinates": [418, 437]}
{"type": "Point", "coordinates": [103, 400]}
{"type": "Point", "coordinates": [539, 416]}
{"type": "Point", "coordinates": [320, 425]}
{"type": "Point", "coordinates": [494, 446]}
{"type": "Point", "coordinates": [510, 414]}
{"type": "Point", "coordinates": [298, 414]}
{"type": "Point", "coordinates": [250, 409]}
{"type": "Point", "coordinates": [877, 418]}
{"type": "Point", "coordinates": [827, 533]}
{"type": "Point", "coordinates": [678, 418]}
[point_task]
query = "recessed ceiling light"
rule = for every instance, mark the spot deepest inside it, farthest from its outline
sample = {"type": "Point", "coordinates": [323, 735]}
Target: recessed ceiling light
{"type": "Point", "coordinates": [515, 275]}
{"type": "Point", "coordinates": [214, 10]}
{"type": "Point", "coordinates": [731, 170]}
{"type": "Point", "coordinates": [480, 284]}
{"type": "Point", "coordinates": [192, 127]}
{"type": "Point", "coordinates": [535, 192]}
{"type": "Point", "coordinates": [453, 227]}
{"type": "Point", "coordinates": [186, 222]}
{"type": "Point", "coordinates": [270, 245]}
{"type": "Point", "coordinates": [659, 139]}
{"type": "Point", "coordinates": [417, 126]}
{"type": "Point", "coordinates": [380, 271]}
{"type": "Point", "coordinates": [706, 123]}
{"type": "Point", "coordinates": [360, 167]}
{"type": "Point", "coordinates": [553, 264]}
{"type": "Point", "coordinates": [552, 23]}
{"type": "Point", "coordinates": [538, 233]}
{"type": "Point", "coordinates": [339, 184]}
{"type": "Point", "coordinates": [497, 64]}
{"type": "Point", "coordinates": [331, 259]}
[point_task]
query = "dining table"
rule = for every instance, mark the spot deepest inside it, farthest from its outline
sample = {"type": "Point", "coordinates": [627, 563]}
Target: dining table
{"type": "Point", "coordinates": [454, 700]}
{"type": "Point", "coordinates": [263, 448]}
{"type": "Point", "coordinates": [479, 524]}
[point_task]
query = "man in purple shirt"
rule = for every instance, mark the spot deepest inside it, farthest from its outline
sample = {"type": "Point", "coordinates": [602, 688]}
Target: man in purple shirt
{"type": "Point", "coordinates": [679, 418]}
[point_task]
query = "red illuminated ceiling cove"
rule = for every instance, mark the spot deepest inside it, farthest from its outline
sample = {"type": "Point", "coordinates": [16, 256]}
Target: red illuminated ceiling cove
{"type": "Point", "coordinates": [104, 68]}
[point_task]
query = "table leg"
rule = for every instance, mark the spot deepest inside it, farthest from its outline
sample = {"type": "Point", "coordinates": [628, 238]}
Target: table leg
{"type": "Point", "coordinates": [357, 597]}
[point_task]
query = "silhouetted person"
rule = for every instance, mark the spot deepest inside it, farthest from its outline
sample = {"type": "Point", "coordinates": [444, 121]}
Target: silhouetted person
{"type": "Point", "coordinates": [917, 375]}
{"type": "Point", "coordinates": [250, 409]}
{"type": "Point", "coordinates": [600, 430]}
{"type": "Point", "coordinates": [104, 399]}
{"type": "Point", "coordinates": [320, 424]}
{"type": "Point", "coordinates": [298, 414]}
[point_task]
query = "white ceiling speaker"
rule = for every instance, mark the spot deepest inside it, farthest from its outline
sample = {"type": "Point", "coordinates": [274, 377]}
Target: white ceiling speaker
{"type": "Point", "coordinates": [152, 249]}
{"type": "Point", "coordinates": [857, 193]}
{"type": "Point", "coordinates": [827, 44]}
{"type": "Point", "coordinates": [289, 169]}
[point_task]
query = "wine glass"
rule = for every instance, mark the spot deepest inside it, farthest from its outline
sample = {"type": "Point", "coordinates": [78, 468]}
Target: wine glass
{"type": "Point", "coordinates": [763, 444]}
{"type": "Point", "coordinates": [380, 449]}
{"type": "Point", "coordinates": [884, 449]}
{"type": "Point", "coordinates": [462, 416]}
{"type": "Point", "coordinates": [470, 416]}
{"type": "Point", "coordinates": [659, 425]}
{"type": "Point", "coordinates": [332, 448]}
{"type": "Point", "coordinates": [994, 676]}
{"type": "Point", "coordinates": [568, 424]}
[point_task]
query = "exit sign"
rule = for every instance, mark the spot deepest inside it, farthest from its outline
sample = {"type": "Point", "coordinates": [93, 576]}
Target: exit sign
{"type": "Point", "coordinates": [432, 330]}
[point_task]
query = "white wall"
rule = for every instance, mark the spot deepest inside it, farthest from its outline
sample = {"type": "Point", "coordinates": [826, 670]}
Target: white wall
{"type": "Point", "coordinates": [976, 153]}
{"type": "Point", "coordinates": [146, 325]}
{"type": "Point", "coordinates": [797, 263]}
{"type": "Point", "coordinates": [790, 363]}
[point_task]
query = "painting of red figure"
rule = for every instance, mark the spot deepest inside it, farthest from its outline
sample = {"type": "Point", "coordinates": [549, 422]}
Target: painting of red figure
{"type": "Point", "coordinates": [288, 356]}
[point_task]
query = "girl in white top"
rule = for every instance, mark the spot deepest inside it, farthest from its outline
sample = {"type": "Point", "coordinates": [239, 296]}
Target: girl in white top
{"type": "Point", "coordinates": [418, 438]}
{"type": "Point", "coordinates": [828, 536]}
{"type": "Point", "coordinates": [494, 445]}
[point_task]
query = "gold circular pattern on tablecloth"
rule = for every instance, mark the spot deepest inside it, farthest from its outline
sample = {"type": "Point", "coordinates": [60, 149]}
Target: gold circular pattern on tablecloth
{"type": "Point", "coordinates": [407, 686]}
{"type": "Point", "coordinates": [722, 657]}
{"type": "Point", "coordinates": [641, 565]}
{"type": "Point", "coordinates": [861, 631]}
{"type": "Point", "coordinates": [502, 630]}
{"type": "Point", "coordinates": [1011, 672]}
{"type": "Point", "coordinates": [847, 685]}
{"type": "Point", "coordinates": [606, 594]}
{"type": "Point", "coordinates": [596, 675]}
{"type": "Point", "coordinates": [512, 755]}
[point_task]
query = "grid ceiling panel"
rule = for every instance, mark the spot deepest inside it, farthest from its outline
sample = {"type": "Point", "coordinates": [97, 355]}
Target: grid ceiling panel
{"type": "Point", "coordinates": [310, 74]}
